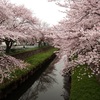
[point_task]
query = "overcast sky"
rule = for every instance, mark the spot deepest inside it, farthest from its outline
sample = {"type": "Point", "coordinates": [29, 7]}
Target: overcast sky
{"type": "Point", "coordinates": [46, 11]}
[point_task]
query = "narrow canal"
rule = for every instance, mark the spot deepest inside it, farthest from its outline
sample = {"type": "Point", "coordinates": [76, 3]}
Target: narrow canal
{"type": "Point", "coordinates": [47, 84]}
{"type": "Point", "coordinates": [51, 85]}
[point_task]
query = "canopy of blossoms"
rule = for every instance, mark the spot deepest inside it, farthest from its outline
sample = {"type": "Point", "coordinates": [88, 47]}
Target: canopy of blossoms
{"type": "Point", "coordinates": [78, 35]}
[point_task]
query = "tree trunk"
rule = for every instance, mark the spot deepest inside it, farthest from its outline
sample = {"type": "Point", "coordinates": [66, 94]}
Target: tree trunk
{"type": "Point", "coordinates": [40, 44]}
{"type": "Point", "coordinates": [8, 45]}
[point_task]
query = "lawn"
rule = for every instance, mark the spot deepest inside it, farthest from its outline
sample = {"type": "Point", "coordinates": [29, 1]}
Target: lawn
{"type": "Point", "coordinates": [40, 57]}
{"type": "Point", "coordinates": [84, 85]}
{"type": "Point", "coordinates": [21, 50]}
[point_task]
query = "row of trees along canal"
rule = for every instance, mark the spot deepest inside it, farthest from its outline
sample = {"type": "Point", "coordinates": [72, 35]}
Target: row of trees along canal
{"type": "Point", "coordinates": [77, 35]}
{"type": "Point", "coordinates": [18, 24]}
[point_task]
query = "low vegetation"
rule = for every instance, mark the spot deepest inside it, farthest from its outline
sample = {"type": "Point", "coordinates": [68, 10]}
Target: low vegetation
{"type": "Point", "coordinates": [84, 85]}
{"type": "Point", "coordinates": [21, 50]}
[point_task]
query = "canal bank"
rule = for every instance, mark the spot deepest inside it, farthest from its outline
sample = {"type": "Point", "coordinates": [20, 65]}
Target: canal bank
{"type": "Point", "coordinates": [5, 92]}
{"type": "Point", "coordinates": [47, 84]}
{"type": "Point", "coordinates": [50, 85]}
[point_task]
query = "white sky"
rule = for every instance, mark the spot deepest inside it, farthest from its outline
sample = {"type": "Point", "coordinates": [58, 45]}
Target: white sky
{"type": "Point", "coordinates": [44, 10]}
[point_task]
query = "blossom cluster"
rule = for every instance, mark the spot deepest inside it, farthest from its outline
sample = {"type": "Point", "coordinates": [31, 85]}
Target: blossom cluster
{"type": "Point", "coordinates": [8, 65]}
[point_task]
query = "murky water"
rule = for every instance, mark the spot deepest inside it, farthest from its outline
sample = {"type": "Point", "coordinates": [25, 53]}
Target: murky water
{"type": "Point", "coordinates": [51, 85]}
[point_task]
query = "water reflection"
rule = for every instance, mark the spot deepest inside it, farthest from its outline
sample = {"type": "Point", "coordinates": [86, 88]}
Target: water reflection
{"type": "Point", "coordinates": [67, 86]}
{"type": "Point", "coordinates": [44, 82]}
{"type": "Point", "coordinates": [51, 85]}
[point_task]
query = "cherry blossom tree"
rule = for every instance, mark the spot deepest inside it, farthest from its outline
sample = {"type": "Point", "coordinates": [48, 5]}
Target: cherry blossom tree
{"type": "Point", "coordinates": [17, 23]}
{"type": "Point", "coordinates": [40, 30]}
{"type": "Point", "coordinates": [78, 35]}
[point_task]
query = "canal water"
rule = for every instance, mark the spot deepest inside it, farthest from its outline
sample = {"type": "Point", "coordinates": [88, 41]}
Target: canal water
{"type": "Point", "coordinates": [51, 85]}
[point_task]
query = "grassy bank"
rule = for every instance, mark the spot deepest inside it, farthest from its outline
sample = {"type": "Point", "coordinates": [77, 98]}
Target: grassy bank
{"type": "Point", "coordinates": [39, 58]}
{"type": "Point", "coordinates": [34, 61]}
{"type": "Point", "coordinates": [22, 50]}
{"type": "Point", "coordinates": [84, 85]}
{"type": "Point", "coordinates": [16, 51]}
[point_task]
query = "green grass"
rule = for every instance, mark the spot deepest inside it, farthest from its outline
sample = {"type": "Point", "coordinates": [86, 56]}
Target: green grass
{"type": "Point", "coordinates": [34, 61]}
{"type": "Point", "coordinates": [22, 50]}
{"type": "Point", "coordinates": [39, 58]}
{"type": "Point", "coordinates": [17, 51]}
{"type": "Point", "coordinates": [84, 85]}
